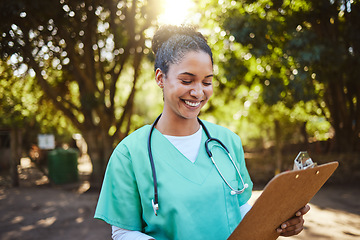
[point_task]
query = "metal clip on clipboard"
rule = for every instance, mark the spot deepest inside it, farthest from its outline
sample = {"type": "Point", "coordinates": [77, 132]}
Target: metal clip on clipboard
{"type": "Point", "coordinates": [303, 161]}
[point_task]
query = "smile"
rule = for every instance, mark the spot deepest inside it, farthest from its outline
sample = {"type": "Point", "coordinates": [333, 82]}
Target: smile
{"type": "Point", "coordinates": [192, 104]}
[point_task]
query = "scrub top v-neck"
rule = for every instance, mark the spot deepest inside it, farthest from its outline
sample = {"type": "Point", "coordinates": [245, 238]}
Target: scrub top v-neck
{"type": "Point", "coordinates": [194, 202]}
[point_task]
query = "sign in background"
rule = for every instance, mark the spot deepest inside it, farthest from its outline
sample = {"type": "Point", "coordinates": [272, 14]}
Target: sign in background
{"type": "Point", "coordinates": [46, 141]}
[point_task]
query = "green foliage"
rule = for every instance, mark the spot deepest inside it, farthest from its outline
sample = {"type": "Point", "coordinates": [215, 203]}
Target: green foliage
{"type": "Point", "coordinates": [298, 53]}
{"type": "Point", "coordinates": [79, 51]}
{"type": "Point", "coordinates": [18, 106]}
{"type": "Point", "coordinates": [23, 107]}
{"type": "Point", "coordinates": [86, 57]}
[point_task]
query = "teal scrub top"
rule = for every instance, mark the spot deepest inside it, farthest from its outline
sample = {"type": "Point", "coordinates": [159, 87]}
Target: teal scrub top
{"type": "Point", "coordinates": [194, 201]}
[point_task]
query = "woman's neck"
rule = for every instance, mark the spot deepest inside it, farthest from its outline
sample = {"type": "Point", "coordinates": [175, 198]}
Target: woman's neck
{"type": "Point", "coordinates": [177, 126]}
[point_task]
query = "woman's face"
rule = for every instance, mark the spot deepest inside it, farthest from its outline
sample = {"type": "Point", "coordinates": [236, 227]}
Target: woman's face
{"type": "Point", "coordinates": [187, 86]}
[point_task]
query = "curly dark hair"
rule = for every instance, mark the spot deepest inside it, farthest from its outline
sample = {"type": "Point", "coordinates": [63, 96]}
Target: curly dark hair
{"type": "Point", "coordinates": [171, 43]}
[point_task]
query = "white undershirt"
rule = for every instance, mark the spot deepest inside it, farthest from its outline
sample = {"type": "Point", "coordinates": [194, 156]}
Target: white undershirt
{"type": "Point", "coordinates": [189, 146]}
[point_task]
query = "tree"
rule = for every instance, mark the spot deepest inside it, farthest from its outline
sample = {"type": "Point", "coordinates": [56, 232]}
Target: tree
{"type": "Point", "coordinates": [304, 51]}
{"type": "Point", "coordinates": [25, 112]}
{"type": "Point", "coordinates": [86, 56]}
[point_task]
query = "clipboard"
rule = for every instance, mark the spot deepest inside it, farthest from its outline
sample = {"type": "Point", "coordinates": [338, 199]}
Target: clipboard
{"type": "Point", "coordinates": [282, 197]}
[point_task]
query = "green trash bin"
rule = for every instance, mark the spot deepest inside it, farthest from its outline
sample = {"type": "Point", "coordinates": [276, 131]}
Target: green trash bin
{"type": "Point", "coordinates": [62, 165]}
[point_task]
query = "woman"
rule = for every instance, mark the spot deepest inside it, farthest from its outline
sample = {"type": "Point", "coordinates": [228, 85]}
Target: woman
{"type": "Point", "coordinates": [193, 199]}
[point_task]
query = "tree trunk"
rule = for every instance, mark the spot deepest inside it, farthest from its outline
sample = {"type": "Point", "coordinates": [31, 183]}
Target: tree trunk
{"type": "Point", "coordinates": [16, 148]}
{"type": "Point", "coordinates": [342, 120]}
{"type": "Point", "coordinates": [305, 135]}
{"type": "Point", "coordinates": [278, 146]}
{"type": "Point", "coordinates": [100, 147]}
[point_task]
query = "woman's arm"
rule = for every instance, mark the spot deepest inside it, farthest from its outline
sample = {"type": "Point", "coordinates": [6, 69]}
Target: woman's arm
{"type": "Point", "coordinates": [123, 234]}
{"type": "Point", "coordinates": [244, 209]}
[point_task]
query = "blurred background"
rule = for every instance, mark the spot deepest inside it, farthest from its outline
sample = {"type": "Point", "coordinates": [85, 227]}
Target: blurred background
{"type": "Point", "coordinates": [77, 76]}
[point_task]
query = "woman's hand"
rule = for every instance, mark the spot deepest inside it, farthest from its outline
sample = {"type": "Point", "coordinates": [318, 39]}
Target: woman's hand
{"type": "Point", "coordinates": [294, 225]}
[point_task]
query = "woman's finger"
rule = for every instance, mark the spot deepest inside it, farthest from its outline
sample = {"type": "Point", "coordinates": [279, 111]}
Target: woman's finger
{"type": "Point", "coordinates": [303, 210]}
{"type": "Point", "coordinates": [291, 227]}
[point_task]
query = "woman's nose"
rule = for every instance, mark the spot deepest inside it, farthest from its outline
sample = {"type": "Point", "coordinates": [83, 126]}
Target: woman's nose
{"type": "Point", "coordinates": [197, 91]}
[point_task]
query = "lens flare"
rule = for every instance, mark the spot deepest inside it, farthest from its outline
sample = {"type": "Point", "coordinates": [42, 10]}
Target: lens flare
{"type": "Point", "coordinates": [176, 12]}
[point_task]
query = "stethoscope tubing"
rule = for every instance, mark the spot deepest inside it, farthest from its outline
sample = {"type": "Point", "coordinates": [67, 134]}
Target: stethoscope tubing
{"type": "Point", "coordinates": [155, 201]}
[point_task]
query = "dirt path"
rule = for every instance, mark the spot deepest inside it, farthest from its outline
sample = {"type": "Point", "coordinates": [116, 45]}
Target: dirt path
{"type": "Point", "coordinates": [39, 210]}
{"type": "Point", "coordinates": [43, 211]}
{"type": "Point", "coordinates": [31, 213]}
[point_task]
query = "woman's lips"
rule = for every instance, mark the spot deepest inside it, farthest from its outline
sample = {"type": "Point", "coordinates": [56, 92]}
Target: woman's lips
{"type": "Point", "coordinates": [192, 104]}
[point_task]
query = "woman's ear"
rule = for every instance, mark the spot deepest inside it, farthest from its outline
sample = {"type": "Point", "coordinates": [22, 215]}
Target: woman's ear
{"type": "Point", "coordinates": [159, 77]}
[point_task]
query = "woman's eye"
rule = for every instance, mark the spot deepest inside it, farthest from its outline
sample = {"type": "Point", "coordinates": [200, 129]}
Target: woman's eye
{"type": "Point", "coordinates": [207, 83]}
{"type": "Point", "coordinates": [184, 81]}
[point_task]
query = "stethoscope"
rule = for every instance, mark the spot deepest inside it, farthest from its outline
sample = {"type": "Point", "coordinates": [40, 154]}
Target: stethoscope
{"type": "Point", "coordinates": [155, 200]}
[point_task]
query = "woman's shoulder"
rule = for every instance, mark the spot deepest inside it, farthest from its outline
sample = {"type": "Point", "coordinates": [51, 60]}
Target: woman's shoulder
{"type": "Point", "coordinates": [136, 138]}
{"type": "Point", "coordinates": [142, 132]}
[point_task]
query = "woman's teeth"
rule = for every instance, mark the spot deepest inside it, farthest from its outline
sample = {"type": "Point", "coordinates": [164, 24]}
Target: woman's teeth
{"type": "Point", "coordinates": [192, 104]}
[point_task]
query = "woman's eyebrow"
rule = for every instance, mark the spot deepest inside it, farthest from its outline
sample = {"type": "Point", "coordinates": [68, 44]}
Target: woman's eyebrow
{"type": "Point", "coordinates": [187, 73]}
{"type": "Point", "coordinates": [193, 75]}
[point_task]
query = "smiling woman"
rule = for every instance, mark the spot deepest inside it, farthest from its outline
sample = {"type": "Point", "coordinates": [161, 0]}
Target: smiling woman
{"type": "Point", "coordinates": [161, 182]}
{"type": "Point", "coordinates": [175, 12]}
